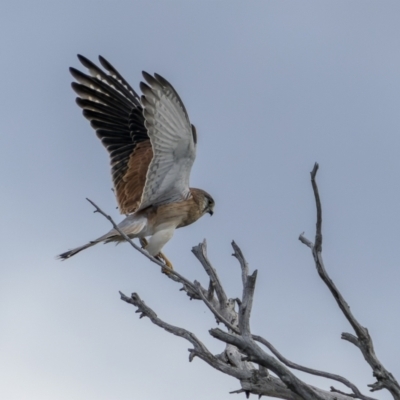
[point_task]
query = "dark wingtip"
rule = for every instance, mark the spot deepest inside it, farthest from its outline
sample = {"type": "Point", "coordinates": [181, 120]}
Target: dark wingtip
{"type": "Point", "coordinates": [162, 80]}
{"type": "Point", "coordinates": [149, 78]}
{"type": "Point", "coordinates": [194, 134]}
{"type": "Point", "coordinates": [105, 63]}
{"type": "Point", "coordinates": [146, 75]}
{"type": "Point", "coordinates": [144, 87]}
{"type": "Point", "coordinates": [80, 102]}
{"type": "Point", "coordinates": [75, 87]}
{"type": "Point", "coordinates": [84, 61]}
{"type": "Point", "coordinates": [87, 63]}
{"type": "Point", "coordinates": [75, 73]}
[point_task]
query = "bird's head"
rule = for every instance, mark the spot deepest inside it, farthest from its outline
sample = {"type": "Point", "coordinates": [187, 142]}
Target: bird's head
{"type": "Point", "coordinates": [208, 204]}
{"type": "Point", "coordinates": [209, 208]}
{"type": "Point", "coordinates": [204, 201]}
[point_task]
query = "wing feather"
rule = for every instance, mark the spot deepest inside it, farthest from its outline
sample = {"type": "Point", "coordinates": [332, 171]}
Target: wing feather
{"type": "Point", "coordinates": [172, 140]}
{"type": "Point", "coordinates": [115, 112]}
{"type": "Point", "coordinates": [150, 140]}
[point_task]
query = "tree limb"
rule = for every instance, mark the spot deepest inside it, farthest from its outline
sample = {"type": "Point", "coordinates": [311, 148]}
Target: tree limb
{"type": "Point", "coordinates": [200, 251]}
{"type": "Point", "coordinates": [246, 305]}
{"type": "Point", "coordinates": [237, 253]}
{"type": "Point", "coordinates": [356, 393]}
{"type": "Point", "coordinates": [362, 340]}
{"type": "Point", "coordinates": [199, 349]}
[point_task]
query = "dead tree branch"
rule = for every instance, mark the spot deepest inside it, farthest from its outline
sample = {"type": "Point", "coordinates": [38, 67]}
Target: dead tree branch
{"type": "Point", "coordinates": [198, 350]}
{"type": "Point", "coordinates": [385, 380]}
{"type": "Point", "coordinates": [355, 392]}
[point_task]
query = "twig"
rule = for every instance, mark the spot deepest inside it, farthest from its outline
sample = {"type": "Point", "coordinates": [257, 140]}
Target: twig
{"type": "Point", "coordinates": [237, 391]}
{"type": "Point", "coordinates": [305, 241]}
{"type": "Point", "coordinates": [334, 390]}
{"type": "Point", "coordinates": [318, 234]}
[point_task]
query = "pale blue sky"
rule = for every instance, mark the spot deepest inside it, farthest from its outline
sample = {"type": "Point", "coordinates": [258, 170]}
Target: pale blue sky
{"type": "Point", "coordinates": [272, 87]}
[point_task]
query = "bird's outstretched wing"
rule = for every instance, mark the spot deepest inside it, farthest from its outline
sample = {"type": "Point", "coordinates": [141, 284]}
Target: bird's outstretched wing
{"type": "Point", "coordinates": [173, 139]}
{"type": "Point", "coordinates": [150, 139]}
{"type": "Point", "coordinates": [115, 112]}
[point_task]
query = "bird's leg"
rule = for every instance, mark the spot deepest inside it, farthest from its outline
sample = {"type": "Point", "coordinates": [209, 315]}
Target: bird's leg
{"type": "Point", "coordinates": [143, 242]}
{"type": "Point", "coordinates": [168, 263]}
{"type": "Point", "coordinates": [160, 256]}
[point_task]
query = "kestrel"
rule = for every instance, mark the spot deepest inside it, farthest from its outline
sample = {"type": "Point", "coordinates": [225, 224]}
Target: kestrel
{"type": "Point", "coordinates": [152, 146]}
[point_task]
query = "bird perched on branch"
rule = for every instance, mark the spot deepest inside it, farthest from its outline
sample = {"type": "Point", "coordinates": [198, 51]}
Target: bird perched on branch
{"type": "Point", "coordinates": [152, 146]}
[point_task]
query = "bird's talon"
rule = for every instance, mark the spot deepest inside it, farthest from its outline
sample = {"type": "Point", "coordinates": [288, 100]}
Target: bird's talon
{"type": "Point", "coordinates": [166, 271]}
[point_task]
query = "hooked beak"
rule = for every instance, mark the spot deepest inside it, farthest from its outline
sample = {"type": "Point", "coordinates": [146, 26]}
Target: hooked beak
{"type": "Point", "coordinates": [211, 212]}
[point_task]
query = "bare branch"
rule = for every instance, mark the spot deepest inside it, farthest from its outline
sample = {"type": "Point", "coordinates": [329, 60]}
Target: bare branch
{"type": "Point", "coordinates": [200, 251]}
{"type": "Point", "coordinates": [311, 371]}
{"type": "Point", "coordinates": [199, 350]}
{"type": "Point", "coordinates": [318, 231]}
{"type": "Point", "coordinates": [257, 355]}
{"type": "Point", "coordinates": [363, 340]}
{"type": "Point", "coordinates": [210, 291]}
{"type": "Point", "coordinates": [351, 338]}
{"type": "Point", "coordinates": [305, 241]}
{"type": "Point", "coordinates": [334, 390]}
{"type": "Point", "coordinates": [246, 305]}
{"type": "Point", "coordinates": [243, 263]}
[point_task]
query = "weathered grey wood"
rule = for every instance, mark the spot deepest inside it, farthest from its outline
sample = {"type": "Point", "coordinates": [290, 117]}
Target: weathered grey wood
{"type": "Point", "coordinates": [312, 371]}
{"type": "Point", "coordinates": [256, 354]}
{"type": "Point", "coordinates": [246, 305]}
{"type": "Point", "coordinates": [200, 251]}
{"type": "Point", "coordinates": [237, 253]}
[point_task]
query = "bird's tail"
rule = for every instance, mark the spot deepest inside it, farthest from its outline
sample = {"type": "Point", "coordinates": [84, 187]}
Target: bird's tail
{"type": "Point", "coordinates": [70, 253]}
{"type": "Point", "coordinates": [132, 226]}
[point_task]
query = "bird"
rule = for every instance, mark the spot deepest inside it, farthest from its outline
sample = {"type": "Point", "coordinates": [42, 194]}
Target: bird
{"type": "Point", "coordinates": [152, 147]}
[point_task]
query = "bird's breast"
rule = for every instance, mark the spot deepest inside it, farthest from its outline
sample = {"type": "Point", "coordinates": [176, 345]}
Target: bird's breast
{"type": "Point", "coordinates": [177, 214]}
